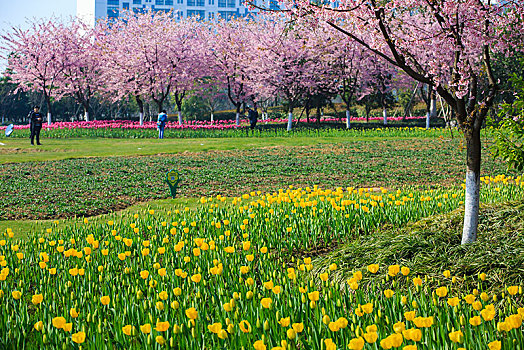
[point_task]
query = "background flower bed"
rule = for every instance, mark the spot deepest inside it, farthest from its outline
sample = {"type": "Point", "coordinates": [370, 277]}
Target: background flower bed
{"type": "Point", "coordinates": [227, 128]}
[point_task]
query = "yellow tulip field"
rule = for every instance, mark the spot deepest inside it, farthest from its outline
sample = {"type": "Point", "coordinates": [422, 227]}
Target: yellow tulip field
{"type": "Point", "coordinates": [237, 273]}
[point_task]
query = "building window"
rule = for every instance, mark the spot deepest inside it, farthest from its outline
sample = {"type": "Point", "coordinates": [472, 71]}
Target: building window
{"type": "Point", "coordinates": [196, 13]}
{"type": "Point", "coordinates": [112, 12]}
{"type": "Point", "coordinates": [211, 15]}
{"type": "Point", "coordinates": [226, 3]}
{"type": "Point", "coordinates": [227, 15]}
{"type": "Point", "coordinates": [159, 2]}
{"type": "Point", "coordinates": [211, 2]}
{"type": "Point", "coordinates": [137, 2]}
{"type": "Point", "coordinates": [125, 6]}
{"type": "Point", "coordinates": [113, 2]}
{"type": "Point", "coordinates": [191, 2]}
{"type": "Point", "coordinates": [169, 2]}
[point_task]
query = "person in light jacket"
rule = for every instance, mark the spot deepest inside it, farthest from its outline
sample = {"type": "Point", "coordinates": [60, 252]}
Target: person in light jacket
{"type": "Point", "coordinates": [161, 123]}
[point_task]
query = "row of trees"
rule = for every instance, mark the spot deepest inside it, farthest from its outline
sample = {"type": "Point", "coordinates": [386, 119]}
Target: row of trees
{"type": "Point", "coordinates": [151, 57]}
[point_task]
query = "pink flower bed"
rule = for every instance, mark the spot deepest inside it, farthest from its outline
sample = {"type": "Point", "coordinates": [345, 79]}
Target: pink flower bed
{"type": "Point", "coordinates": [191, 124]}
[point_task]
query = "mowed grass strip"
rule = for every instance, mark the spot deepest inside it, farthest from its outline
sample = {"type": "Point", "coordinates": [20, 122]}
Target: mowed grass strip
{"type": "Point", "coordinates": [92, 186]}
{"type": "Point", "coordinates": [15, 150]}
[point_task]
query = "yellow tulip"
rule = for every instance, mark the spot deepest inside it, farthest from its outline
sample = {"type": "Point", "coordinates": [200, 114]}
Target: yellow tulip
{"type": "Point", "coordinates": [162, 326]}
{"type": "Point", "coordinates": [370, 337]}
{"type": "Point", "coordinates": [442, 291]}
{"type": "Point", "coordinates": [356, 344]}
{"type": "Point", "coordinates": [244, 326]}
{"type": "Point", "coordinates": [146, 328]}
{"type": "Point", "coordinates": [456, 337]}
{"type": "Point", "coordinates": [266, 303]}
{"type": "Point", "coordinates": [79, 337]}
{"type": "Point", "coordinates": [37, 299]}
{"type": "Point", "coordinates": [373, 268]}
{"type": "Point", "coordinates": [192, 313]}
{"type": "Point", "coordinates": [259, 345]}
{"type": "Point", "coordinates": [59, 322]}
{"type": "Point", "coordinates": [298, 327]}
{"type": "Point", "coordinates": [284, 322]}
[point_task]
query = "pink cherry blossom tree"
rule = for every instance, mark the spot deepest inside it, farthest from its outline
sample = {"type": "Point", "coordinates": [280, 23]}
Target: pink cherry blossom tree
{"type": "Point", "coordinates": [229, 47]}
{"type": "Point", "coordinates": [284, 63]}
{"type": "Point", "coordinates": [152, 55]}
{"type": "Point", "coordinates": [82, 77]}
{"type": "Point", "coordinates": [446, 44]}
{"type": "Point", "coordinates": [37, 58]}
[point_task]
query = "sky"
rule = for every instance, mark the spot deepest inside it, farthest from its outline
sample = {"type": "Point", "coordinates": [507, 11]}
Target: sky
{"type": "Point", "coordinates": [17, 12]}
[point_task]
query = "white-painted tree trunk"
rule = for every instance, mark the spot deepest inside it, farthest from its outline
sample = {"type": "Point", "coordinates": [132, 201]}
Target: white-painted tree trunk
{"type": "Point", "coordinates": [428, 117]}
{"type": "Point", "coordinates": [179, 117]}
{"type": "Point", "coordinates": [471, 207]}
{"type": "Point", "coordinates": [141, 118]}
{"type": "Point", "coordinates": [289, 121]}
{"type": "Point", "coordinates": [265, 117]}
{"type": "Point", "coordinates": [237, 118]}
{"type": "Point", "coordinates": [348, 121]}
{"type": "Point", "coordinates": [212, 117]}
{"type": "Point", "coordinates": [385, 115]}
{"type": "Point", "coordinates": [48, 118]}
{"type": "Point", "coordinates": [3, 119]}
{"type": "Point", "coordinates": [86, 116]}
{"type": "Point", "coordinates": [433, 108]}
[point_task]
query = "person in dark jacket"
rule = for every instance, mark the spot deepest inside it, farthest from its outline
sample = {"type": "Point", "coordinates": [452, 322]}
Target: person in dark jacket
{"type": "Point", "coordinates": [252, 115]}
{"type": "Point", "coordinates": [35, 124]}
{"type": "Point", "coordinates": [161, 124]}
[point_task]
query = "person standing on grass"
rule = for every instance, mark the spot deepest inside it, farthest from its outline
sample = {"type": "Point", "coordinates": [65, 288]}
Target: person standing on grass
{"type": "Point", "coordinates": [252, 115]}
{"type": "Point", "coordinates": [35, 124]}
{"type": "Point", "coordinates": [161, 123]}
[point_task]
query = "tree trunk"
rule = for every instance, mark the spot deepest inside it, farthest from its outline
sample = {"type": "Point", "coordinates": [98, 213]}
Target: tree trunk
{"type": "Point", "coordinates": [289, 120]}
{"type": "Point", "coordinates": [48, 103]}
{"type": "Point", "coordinates": [307, 114]}
{"type": "Point", "coordinates": [433, 105]}
{"type": "Point", "coordinates": [237, 116]}
{"type": "Point", "coordinates": [86, 116]}
{"type": "Point", "coordinates": [471, 203]}
{"type": "Point", "coordinates": [140, 104]}
{"type": "Point", "coordinates": [428, 116]}
{"type": "Point", "coordinates": [159, 104]}
{"type": "Point", "coordinates": [348, 121]}
{"type": "Point", "coordinates": [385, 114]}
{"type": "Point", "coordinates": [212, 117]}
{"type": "Point", "coordinates": [179, 112]}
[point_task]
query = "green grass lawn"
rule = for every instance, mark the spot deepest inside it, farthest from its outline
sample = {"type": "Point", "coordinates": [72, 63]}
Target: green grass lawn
{"type": "Point", "coordinates": [20, 150]}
